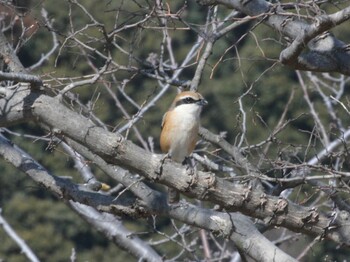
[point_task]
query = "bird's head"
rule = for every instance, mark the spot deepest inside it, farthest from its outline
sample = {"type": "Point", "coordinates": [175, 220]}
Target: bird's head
{"type": "Point", "coordinates": [189, 101]}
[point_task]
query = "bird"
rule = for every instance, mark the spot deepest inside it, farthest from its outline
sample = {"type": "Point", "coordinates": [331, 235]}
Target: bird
{"type": "Point", "coordinates": [180, 128]}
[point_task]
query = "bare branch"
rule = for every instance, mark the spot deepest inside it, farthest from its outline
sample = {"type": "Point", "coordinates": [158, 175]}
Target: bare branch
{"type": "Point", "coordinates": [327, 53]}
{"type": "Point", "coordinates": [321, 24]}
{"type": "Point", "coordinates": [232, 225]}
{"type": "Point", "coordinates": [20, 77]}
{"type": "Point", "coordinates": [19, 241]}
{"type": "Point", "coordinates": [113, 228]}
{"type": "Point", "coordinates": [233, 197]}
{"type": "Point", "coordinates": [294, 175]}
{"type": "Point", "coordinates": [45, 57]}
{"type": "Point", "coordinates": [9, 57]}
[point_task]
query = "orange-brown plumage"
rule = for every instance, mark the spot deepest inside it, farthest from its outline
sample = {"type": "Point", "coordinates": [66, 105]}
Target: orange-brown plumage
{"type": "Point", "coordinates": [173, 131]}
{"type": "Point", "coordinates": [180, 129]}
{"type": "Point", "coordinates": [180, 125]}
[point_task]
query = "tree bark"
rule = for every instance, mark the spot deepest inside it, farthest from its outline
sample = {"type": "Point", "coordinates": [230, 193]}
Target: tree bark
{"type": "Point", "coordinates": [114, 149]}
{"type": "Point", "coordinates": [326, 53]}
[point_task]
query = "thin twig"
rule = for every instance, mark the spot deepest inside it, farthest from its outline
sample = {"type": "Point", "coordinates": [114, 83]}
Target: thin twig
{"type": "Point", "coordinates": [19, 241]}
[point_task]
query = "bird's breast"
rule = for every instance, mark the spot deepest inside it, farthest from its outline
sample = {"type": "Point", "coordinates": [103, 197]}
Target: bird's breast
{"type": "Point", "coordinates": [179, 135]}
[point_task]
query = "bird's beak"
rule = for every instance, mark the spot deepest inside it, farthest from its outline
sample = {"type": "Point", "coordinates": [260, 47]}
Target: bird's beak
{"type": "Point", "coordinates": [202, 102]}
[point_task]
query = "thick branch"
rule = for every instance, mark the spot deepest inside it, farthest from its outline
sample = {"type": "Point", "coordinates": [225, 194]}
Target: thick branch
{"type": "Point", "coordinates": [327, 53]}
{"type": "Point", "coordinates": [152, 199]}
{"type": "Point", "coordinates": [9, 57]}
{"type": "Point", "coordinates": [20, 77]}
{"type": "Point", "coordinates": [322, 23]}
{"type": "Point", "coordinates": [111, 227]}
{"type": "Point", "coordinates": [234, 226]}
{"type": "Point", "coordinates": [239, 229]}
{"type": "Point", "coordinates": [61, 187]}
{"type": "Point", "coordinates": [233, 197]}
{"type": "Point", "coordinates": [64, 188]}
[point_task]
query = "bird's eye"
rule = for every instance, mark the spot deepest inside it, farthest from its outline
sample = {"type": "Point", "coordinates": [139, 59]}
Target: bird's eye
{"type": "Point", "coordinates": [189, 100]}
{"type": "Point", "coordinates": [185, 100]}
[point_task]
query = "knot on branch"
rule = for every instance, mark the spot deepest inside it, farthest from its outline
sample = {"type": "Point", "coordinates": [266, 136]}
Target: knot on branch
{"type": "Point", "coordinates": [263, 200]}
{"type": "Point", "coordinates": [281, 206]}
{"type": "Point", "coordinates": [209, 181]}
{"type": "Point", "coordinates": [323, 22]}
{"type": "Point", "coordinates": [311, 218]}
{"type": "Point", "coordinates": [246, 194]}
{"type": "Point", "coordinates": [193, 175]}
{"type": "Point", "coordinates": [290, 54]}
{"type": "Point", "coordinates": [222, 227]}
{"type": "Point", "coordinates": [117, 144]}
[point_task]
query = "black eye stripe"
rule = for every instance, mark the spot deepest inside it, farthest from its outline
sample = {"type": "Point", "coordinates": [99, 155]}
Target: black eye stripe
{"type": "Point", "coordinates": [189, 100]}
{"type": "Point", "coordinates": [186, 100]}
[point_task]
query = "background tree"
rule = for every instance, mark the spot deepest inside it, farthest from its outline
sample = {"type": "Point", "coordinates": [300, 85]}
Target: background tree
{"type": "Point", "coordinates": [84, 85]}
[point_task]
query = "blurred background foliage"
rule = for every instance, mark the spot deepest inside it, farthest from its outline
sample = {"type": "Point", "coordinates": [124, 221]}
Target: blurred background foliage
{"type": "Point", "coordinates": [242, 62]}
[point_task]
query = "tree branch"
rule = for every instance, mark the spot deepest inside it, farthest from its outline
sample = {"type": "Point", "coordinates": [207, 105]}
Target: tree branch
{"type": "Point", "coordinates": [150, 198]}
{"type": "Point", "coordinates": [232, 225]}
{"type": "Point", "coordinates": [20, 77]}
{"type": "Point", "coordinates": [113, 148]}
{"type": "Point", "coordinates": [61, 187]}
{"type": "Point", "coordinates": [19, 241]}
{"type": "Point", "coordinates": [321, 24]}
{"type": "Point", "coordinates": [114, 230]}
{"type": "Point", "coordinates": [327, 53]}
{"type": "Point", "coordinates": [9, 56]}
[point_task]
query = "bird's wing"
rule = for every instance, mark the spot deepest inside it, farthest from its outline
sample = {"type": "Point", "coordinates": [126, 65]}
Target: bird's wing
{"type": "Point", "coordinates": [163, 120]}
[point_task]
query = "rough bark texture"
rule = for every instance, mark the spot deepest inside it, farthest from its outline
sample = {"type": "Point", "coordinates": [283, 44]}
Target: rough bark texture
{"type": "Point", "coordinates": [205, 186]}
{"type": "Point", "coordinates": [310, 47]}
{"type": "Point", "coordinates": [326, 54]}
